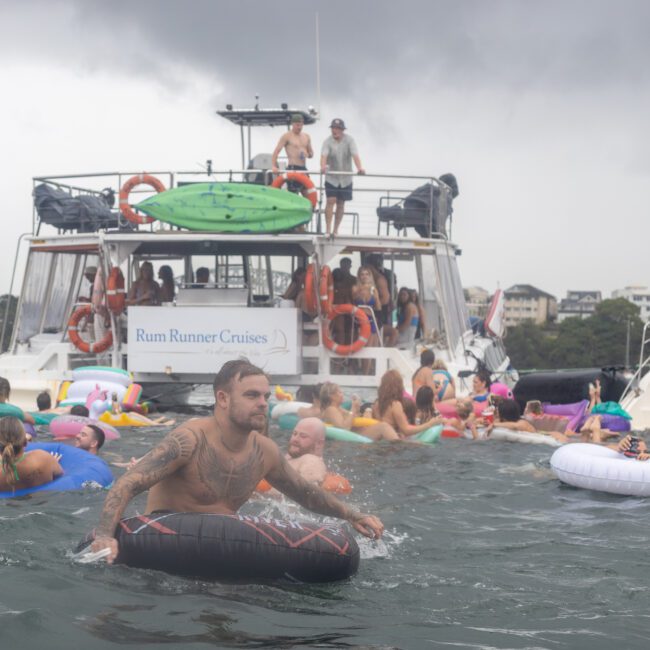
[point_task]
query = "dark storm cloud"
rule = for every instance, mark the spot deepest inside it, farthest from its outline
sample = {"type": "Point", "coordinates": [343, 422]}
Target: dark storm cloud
{"type": "Point", "coordinates": [367, 47]}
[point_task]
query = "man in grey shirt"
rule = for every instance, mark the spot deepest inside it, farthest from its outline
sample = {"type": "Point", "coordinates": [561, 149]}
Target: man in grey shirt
{"type": "Point", "coordinates": [337, 154]}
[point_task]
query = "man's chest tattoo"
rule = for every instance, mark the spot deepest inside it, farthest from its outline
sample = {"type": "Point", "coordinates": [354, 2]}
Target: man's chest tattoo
{"type": "Point", "coordinates": [223, 477]}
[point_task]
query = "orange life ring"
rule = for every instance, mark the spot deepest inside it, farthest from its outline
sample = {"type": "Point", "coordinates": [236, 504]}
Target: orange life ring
{"type": "Point", "coordinates": [326, 290]}
{"type": "Point", "coordinates": [337, 484]}
{"type": "Point", "coordinates": [115, 295]}
{"type": "Point", "coordinates": [140, 179]}
{"type": "Point", "coordinates": [73, 333]}
{"type": "Point", "coordinates": [332, 483]}
{"type": "Point", "coordinates": [309, 190]}
{"type": "Point", "coordinates": [364, 329]}
{"type": "Point", "coordinates": [311, 298]}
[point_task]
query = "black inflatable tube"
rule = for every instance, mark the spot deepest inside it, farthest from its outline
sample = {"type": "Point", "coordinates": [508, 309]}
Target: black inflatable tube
{"type": "Point", "coordinates": [235, 547]}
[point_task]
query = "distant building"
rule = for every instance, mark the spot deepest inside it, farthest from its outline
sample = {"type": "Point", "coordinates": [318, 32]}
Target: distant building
{"type": "Point", "coordinates": [581, 304]}
{"type": "Point", "coordinates": [477, 300]}
{"type": "Point", "coordinates": [639, 296]}
{"type": "Point", "coordinates": [524, 302]}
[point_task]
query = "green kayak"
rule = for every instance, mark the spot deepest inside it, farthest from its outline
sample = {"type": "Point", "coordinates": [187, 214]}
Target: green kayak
{"type": "Point", "coordinates": [229, 207]}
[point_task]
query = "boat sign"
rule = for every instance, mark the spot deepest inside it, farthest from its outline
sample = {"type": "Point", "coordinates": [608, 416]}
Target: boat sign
{"type": "Point", "coordinates": [200, 339]}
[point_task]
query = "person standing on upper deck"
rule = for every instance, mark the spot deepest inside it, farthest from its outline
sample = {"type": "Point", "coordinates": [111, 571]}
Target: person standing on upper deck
{"type": "Point", "coordinates": [337, 154]}
{"type": "Point", "coordinates": [297, 146]}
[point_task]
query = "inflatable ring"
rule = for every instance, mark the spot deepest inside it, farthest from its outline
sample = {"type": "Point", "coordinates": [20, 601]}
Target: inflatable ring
{"type": "Point", "coordinates": [68, 426]}
{"type": "Point", "coordinates": [115, 295]}
{"type": "Point", "coordinates": [364, 330]}
{"type": "Point", "coordinates": [283, 395]}
{"type": "Point", "coordinates": [235, 547]}
{"type": "Point", "coordinates": [309, 190]}
{"type": "Point", "coordinates": [311, 299]}
{"type": "Point", "coordinates": [331, 483]}
{"type": "Point", "coordinates": [595, 467]}
{"type": "Point", "coordinates": [81, 468]}
{"type": "Point", "coordinates": [140, 179]}
{"type": "Point", "coordinates": [73, 333]}
{"type": "Point", "coordinates": [326, 290]}
{"type": "Point", "coordinates": [122, 420]}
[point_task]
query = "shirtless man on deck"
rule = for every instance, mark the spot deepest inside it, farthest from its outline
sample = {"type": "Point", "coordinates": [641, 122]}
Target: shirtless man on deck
{"type": "Point", "coordinates": [297, 146]}
{"type": "Point", "coordinates": [213, 464]}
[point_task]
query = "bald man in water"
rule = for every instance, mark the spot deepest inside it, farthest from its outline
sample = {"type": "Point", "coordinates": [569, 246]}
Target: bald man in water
{"type": "Point", "coordinates": [305, 451]}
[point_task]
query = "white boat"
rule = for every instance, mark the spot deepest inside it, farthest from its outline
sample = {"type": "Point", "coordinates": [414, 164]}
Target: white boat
{"type": "Point", "coordinates": [636, 397]}
{"type": "Point", "coordinates": [172, 347]}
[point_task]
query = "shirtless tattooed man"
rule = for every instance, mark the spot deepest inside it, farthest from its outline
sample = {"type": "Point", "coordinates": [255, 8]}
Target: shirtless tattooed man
{"type": "Point", "coordinates": [213, 464]}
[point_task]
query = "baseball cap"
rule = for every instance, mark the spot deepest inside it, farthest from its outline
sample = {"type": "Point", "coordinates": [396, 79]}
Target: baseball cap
{"type": "Point", "coordinates": [337, 123]}
{"type": "Point", "coordinates": [297, 117]}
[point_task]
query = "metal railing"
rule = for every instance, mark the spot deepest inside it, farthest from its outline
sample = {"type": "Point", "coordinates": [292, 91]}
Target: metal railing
{"type": "Point", "coordinates": [371, 191]}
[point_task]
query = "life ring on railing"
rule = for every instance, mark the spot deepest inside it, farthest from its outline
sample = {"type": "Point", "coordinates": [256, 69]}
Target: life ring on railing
{"type": "Point", "coordinates": [326, 290]}
{"type": "Point", "coordinates": [310, 296]}
{"type": "Point", "coordinates": [364, 329]}
{"type": "Point", "coordinates": [140, 179]}
{"type": "Point", "coordinates": [73, 333]}
{"type": "Point", "coordinates": [309, 191]}
{"type": "Point", "coordinates": [115, 295]}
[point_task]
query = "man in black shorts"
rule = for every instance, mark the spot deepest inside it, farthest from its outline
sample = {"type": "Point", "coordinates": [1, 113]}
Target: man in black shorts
{"type": "Point", "coordinates": [337, 154]}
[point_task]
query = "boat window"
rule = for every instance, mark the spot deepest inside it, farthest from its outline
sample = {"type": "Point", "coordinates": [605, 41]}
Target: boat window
{"type": "Point", "coordinates": [452, 296]}
{"type": "Point", "coordinates": [64, 281]}
{"type": "Point", "coordinates": [35, 286]}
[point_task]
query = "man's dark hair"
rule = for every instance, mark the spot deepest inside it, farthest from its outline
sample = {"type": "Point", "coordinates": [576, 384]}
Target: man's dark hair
{"type": "Point", "coordinates": [509, 410]}
{"type": "Point", "coordinates": [237, 368]}
{"type": "Point", "coordinates": [427, 358]}
{"type": "Point", "coordinates": [79, 409]}
{"type": "Point", "coordinates": [99, 435]}
{"type": "Point", "coordinates": [43, 401]}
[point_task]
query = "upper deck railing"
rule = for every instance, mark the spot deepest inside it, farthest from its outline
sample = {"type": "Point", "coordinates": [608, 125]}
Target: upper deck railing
{"type": "Point", "coordinates": [382, 204]}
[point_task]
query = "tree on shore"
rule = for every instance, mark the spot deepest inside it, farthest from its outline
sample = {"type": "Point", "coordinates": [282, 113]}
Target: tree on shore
{"type": "Point", "coordinates": [597, 341]}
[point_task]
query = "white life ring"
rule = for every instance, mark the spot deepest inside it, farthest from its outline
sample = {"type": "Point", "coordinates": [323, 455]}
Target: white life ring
{"type": "Point", "coordinates": [287, 408]}
{"type": "Point", "coordinates": [595, 467]}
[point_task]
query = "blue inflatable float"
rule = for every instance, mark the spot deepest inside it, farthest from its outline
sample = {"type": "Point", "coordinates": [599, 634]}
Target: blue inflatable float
{"type": "Point", "coordinates": [82, 469]}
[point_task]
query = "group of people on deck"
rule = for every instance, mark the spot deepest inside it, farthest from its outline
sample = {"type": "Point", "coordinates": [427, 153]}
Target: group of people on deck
{"type": "Point", "coordinates": [396, 319]}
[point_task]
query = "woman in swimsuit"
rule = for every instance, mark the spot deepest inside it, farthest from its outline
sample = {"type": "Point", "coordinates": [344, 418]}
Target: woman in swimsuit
{"type": "Point", "coordinates": [145, 290]}
{"type": "Point", "coordinates": [481, 387]}
{"type": "Point", "coordinates": [407, 321]}
{"type": "Point", "coordinates": [445, 389]}
{"type": "Point", "coordinates": [21, 469]}
{"type": "Point", "coordinates": [365, 294]}
{"type": "Point", "coordinates": [390, 409]}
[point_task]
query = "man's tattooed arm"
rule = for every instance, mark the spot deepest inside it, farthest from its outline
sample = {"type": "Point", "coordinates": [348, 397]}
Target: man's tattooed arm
{"type": "Point", "coordinates": [164, 459]}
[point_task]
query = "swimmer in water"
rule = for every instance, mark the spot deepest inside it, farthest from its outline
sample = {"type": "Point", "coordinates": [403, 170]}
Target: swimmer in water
{"type": "Point", "coordinates": [213, 464]}
{"type": "Point", "coordinates": [23, 469]}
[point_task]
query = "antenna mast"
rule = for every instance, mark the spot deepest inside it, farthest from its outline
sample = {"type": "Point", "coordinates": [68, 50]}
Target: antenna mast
{"type": "Point", "coordinates": [317, 64]}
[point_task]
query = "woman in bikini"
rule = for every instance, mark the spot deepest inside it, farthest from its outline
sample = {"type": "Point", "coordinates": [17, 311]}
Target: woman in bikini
{"type": "Point", "coordinates": [389, 408]}
{"type": "Point", "coordinates": [365, 294]}
{"type": "Point", "coordinates": [22, 469]}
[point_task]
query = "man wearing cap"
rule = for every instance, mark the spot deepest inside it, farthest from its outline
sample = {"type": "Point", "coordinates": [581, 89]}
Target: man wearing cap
{"type": "Point", "coordinates": [297, 146]}
{"type": "Point", "coordinates": [337, 154]}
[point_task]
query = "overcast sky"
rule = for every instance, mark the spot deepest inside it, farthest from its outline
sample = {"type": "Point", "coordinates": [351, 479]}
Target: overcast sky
{"type": "Point", "coordinates": [541, 110]}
